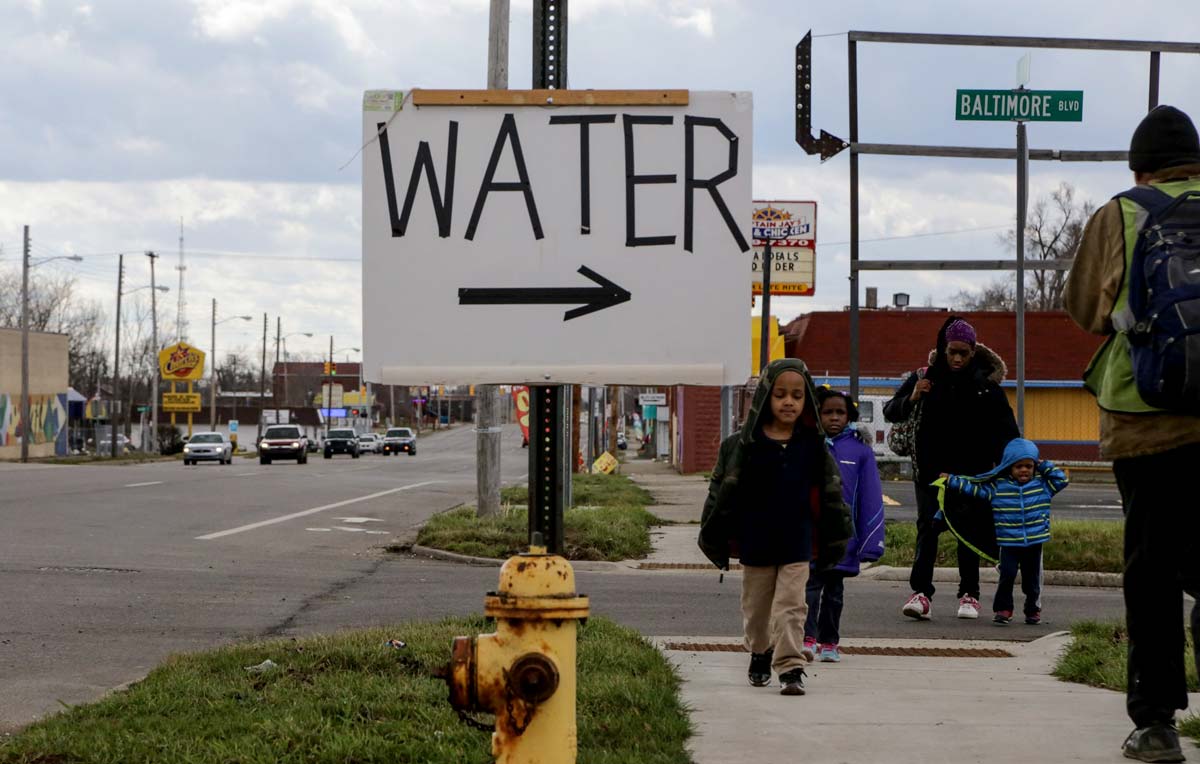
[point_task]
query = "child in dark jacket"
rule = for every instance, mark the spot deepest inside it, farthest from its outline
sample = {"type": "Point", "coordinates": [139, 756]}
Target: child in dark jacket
{"type": "Point", "coordinates": [1019, 491]}
{"type": "Point", "coordinates": [864, 494]}
{"type": "Point", "coordinates": [775, 501]}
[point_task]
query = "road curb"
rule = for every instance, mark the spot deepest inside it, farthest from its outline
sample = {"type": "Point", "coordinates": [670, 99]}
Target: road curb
{"type": "Point", "coordinates": [466, 559]}
{"type": "Point", "coordinates": [989, 575]}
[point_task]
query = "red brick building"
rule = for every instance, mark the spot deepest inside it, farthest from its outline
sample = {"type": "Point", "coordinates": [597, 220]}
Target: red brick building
{"type": "Point", "coordinates": [1059, 414]}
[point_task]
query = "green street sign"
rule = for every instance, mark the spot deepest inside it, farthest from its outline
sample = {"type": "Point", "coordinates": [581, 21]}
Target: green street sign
{"type": "Point", "coordinates": [1019, 105]}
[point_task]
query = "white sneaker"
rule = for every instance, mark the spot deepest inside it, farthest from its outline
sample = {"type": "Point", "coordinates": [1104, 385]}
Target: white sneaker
{"type": "Point", "coordinates": [918, 606]}
{"type": "Point", "coordinates": [968, 607]}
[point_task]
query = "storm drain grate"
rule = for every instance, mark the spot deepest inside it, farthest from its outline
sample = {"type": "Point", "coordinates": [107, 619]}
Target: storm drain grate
{"type": "Point", "coordinates": [905, 652]}
{"type": "Point", "coordinates": [680, 566]}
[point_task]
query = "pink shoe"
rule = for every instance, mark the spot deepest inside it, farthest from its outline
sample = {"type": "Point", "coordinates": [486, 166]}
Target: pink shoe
{"type": "Point", "coordinates": [918, 606]}
{"type": "Point", "coordinates": [809, 651]}
{"type": "Point", "coordinates": [968, 607]}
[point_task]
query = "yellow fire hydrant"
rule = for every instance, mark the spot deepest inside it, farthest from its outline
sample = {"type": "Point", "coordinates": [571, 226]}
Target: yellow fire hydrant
{"type": "Point", "coordinates": [524, 673]}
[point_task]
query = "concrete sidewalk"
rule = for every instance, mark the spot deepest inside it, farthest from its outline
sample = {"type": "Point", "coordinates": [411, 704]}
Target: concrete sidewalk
{"type": "Point", "coordinates": [869, 708]}
{"type": "Point", "coordinates": [902, 709]}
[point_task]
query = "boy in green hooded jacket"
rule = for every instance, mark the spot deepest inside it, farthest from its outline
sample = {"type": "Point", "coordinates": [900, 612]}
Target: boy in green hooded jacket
{"type": "Point", "coordinates": [775, 502]}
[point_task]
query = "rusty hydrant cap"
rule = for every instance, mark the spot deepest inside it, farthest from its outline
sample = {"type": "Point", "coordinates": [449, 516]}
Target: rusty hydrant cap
{"type": "Point", "coordinates": [533, 677]}
{"type": "Point", "coordinates": [536, 576]}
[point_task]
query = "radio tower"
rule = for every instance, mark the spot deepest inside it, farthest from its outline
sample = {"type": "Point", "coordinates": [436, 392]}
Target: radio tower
{"type": "Point", "coordinates": [181, 325]}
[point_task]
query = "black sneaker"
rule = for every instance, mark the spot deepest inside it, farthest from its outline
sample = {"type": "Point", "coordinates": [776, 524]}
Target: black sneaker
{"type": "Point", "coordinates": [760, 669]}
{"type": "Point", "coordinates": [792, 682]}
{"type": "Point", "coordinates": [1157, 742]}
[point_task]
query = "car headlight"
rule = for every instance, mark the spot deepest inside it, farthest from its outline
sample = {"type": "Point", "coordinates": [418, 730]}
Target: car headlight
{"type": "Point", "coordinates": [187, 448]}
{"type": "Point", "coordinates": [295, 445]}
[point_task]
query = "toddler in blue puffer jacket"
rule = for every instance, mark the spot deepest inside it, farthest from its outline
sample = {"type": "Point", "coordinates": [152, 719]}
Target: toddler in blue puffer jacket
{"type": "Point", "coordinates": [1019, 491]}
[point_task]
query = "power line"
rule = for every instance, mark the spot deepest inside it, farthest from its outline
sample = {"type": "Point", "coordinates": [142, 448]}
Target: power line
{"type": "Point", "coordinates": [917, 235]}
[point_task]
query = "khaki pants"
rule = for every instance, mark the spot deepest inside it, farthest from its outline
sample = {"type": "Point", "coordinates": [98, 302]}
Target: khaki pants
{"type": "Point", "coordinates": [773, 611]}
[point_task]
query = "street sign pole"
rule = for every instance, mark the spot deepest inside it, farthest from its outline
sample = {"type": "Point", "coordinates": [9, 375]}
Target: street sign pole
{"type": "Point", "coordinates": [549, 439]}
{"type": "Point", "coordinates": [764, 342]}
{"type": "Point", "coordinates": [1022, 204]}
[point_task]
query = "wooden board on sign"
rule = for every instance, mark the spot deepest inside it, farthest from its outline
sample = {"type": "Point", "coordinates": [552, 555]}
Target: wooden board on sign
{"type": "Point", "coordinates": [549, 97]}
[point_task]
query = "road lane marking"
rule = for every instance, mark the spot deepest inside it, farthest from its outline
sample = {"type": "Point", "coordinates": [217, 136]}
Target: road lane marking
{"type": "Point", "coordinates": [139, 485]}
{"type": "Point", "coordinates": [889, 501]}
{"type": "Point", "coordinates": [1093, 506]}
{"type": "Point", "coordinates": [313, 511]}
{"type": "Point", "coordinates": [357, 520]}
{"type": "Point", "coordinates": [245, 474]}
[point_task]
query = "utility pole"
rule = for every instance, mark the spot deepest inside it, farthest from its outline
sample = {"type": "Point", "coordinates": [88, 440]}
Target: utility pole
{"type": "Point", "coordinates": [274, 396]}
{"type": "Point", "coordinates": [262, 379]}
{"type": "Point", "coordinates": [154, 335]}
{"type": "Point", "coordinates": [487, 398]}
{"type": "Point", "coordinates": [116, 398]}
{"type": "Point", "coordinates": [329, 389]}
{"type": "Point", "coordinates": [212, 371]}
{"type": "Point", "coordinates": [25, 429]}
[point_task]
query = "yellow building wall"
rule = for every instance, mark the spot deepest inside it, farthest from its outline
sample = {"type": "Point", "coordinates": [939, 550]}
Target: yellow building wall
{"type": "Point", "coordinates": [1058, 413]}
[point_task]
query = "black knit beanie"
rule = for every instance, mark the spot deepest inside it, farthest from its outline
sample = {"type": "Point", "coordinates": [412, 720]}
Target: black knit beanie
{"type": "Point", "coordinates": [1165, 138]}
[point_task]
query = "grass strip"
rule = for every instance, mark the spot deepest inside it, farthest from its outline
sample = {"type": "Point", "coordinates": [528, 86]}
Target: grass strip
{"type": "Point", "coordinates": [349, 698]}
{"type": "Point", "coordinates": [609, 522]}
{"type": "Point", "coordinates": [1080, 545]}
{"type": "Point", "coordinates": [1097, 657]}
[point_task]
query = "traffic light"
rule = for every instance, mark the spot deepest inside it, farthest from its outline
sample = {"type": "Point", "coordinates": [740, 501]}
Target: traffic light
{"type": "Point", "coordinates": [355, 412]}
{"type": "Point", "coordinates": [333, 369]}
{"type": "Point", "coordinates": [325, 371]}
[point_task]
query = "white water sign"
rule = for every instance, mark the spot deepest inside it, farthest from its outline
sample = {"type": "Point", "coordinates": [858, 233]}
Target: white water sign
{"type": "Point", "coordinates": [547, 244]}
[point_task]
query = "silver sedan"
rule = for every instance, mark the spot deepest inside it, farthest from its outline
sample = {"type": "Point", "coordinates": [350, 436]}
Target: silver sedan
{"type": "Point", "coordinates": [208, 446]}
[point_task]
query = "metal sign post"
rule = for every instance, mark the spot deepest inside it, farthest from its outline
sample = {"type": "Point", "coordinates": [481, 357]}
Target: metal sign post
{"type": "Point", "coordinates": [983, 105]}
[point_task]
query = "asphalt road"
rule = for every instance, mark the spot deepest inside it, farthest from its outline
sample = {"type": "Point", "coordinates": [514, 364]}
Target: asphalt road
{"type": "Point", "coordinates": [1080, 501]}
{"type": "Point", "coordinates": [107, 569]}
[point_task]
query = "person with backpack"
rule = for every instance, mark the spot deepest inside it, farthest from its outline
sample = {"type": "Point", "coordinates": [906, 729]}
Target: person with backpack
{"type": "Point", "coordinates": [1136, 280]}
{"type": "Point", "coordinates": [961, 421]}
{"type": "Point", "coordinates": [775, 502]}
{"type": "Point", "coordinates": [863, 492]}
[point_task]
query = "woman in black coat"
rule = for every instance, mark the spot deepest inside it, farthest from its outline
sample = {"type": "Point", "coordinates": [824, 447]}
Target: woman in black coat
{"type": "Point", "coordinates": [963, 424]}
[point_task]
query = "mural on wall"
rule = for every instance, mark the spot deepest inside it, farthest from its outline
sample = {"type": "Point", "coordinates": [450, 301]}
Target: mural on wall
{"type": "Point", "coordinates": [47, 415]}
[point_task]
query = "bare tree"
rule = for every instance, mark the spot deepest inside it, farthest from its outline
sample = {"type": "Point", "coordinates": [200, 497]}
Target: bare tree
{"type": "Point", "coordinates": [1052, 232]}
{"type": "Point", "coordinates": [238, 372]}
{"type": "Point", "coordinates": [54, 306]}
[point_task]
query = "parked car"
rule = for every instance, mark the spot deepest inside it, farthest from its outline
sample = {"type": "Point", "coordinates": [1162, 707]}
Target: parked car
{"type": "Point", "coordinates": [400, 439]}
{"type": "Point", "coordinates": [314, 445]}
{"type": "Point", "coordinates": [207, 447]}
{"type": "Point", "coordinates": [283, 441]}
{"type": "Point", "coordinates": [369, 443]}
{"type": "Point", "coordinates": [341, 441]}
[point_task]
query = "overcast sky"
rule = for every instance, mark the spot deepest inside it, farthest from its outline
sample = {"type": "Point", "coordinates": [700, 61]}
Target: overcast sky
{"type": "Point", "coordinates": [242, 118]}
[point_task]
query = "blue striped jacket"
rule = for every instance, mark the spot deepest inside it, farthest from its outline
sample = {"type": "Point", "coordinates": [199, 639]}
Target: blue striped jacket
{"type": "Point", "coordinates": [1021, 513]}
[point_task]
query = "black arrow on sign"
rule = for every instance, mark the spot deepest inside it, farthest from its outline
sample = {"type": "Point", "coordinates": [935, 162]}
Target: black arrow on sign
{"type": "Point", "coordinates": [604, 296]}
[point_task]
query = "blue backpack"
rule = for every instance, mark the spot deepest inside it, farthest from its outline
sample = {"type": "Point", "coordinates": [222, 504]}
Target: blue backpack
{"type": "Point", "coordinates": [1164, 298]}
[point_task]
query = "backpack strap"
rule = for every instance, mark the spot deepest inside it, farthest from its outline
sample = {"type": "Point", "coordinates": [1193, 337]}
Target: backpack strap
{"type": "Point", "coordinates": [1154, 200]}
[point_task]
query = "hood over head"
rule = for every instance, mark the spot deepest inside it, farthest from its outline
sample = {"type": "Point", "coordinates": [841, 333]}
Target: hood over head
{"type": "Point", "coordinates": [1016, 450]}
{"type": "Point", "coordinates": [762, 393]}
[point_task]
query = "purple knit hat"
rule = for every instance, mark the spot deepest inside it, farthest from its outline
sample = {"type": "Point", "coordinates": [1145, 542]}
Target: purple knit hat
{"type": "Point", "coordinates": [960, 331]}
